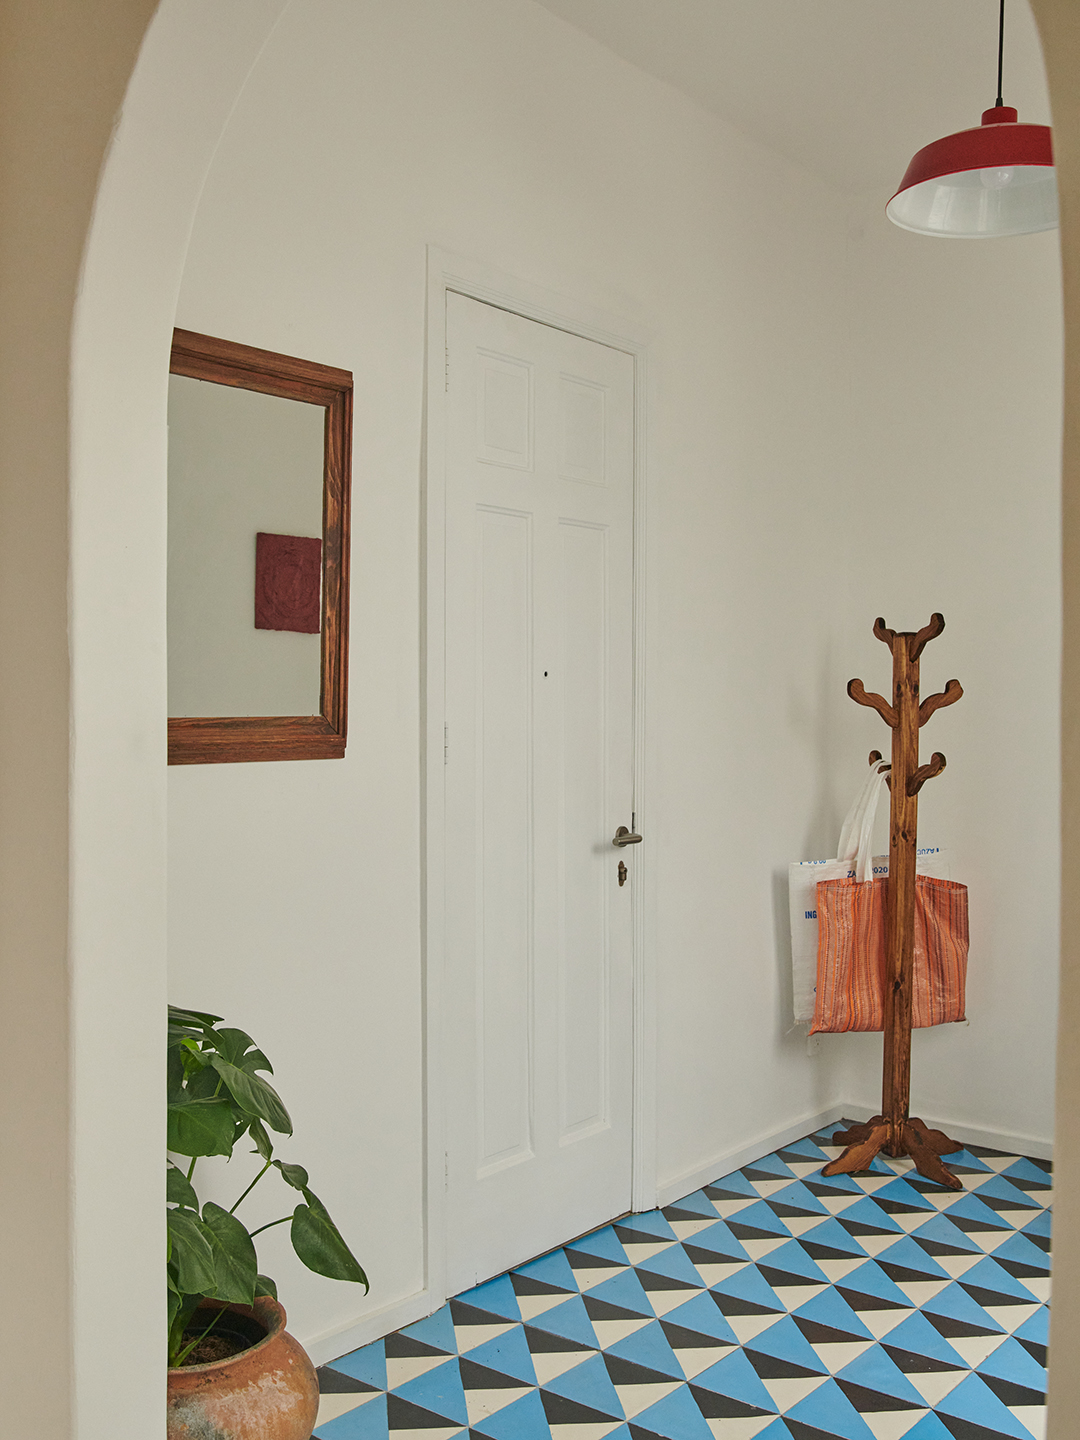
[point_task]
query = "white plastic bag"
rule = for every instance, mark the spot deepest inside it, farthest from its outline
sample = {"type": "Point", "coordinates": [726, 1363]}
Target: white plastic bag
{"type": "Point", "coordinates": [854, 862]}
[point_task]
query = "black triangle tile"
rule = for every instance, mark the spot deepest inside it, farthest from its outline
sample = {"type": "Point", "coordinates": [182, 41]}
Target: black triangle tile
{"type": "Point", "coordinates": [819, 1334]}
{"type": "Point", "coordinates": [464, 1314]}
{"type": "Point", "coordinates": [735, 1305]}
{"type": "Point", "coordinates": [597, 1309]}
{"type": "Point", "coordinates": [829, 1252]}
{"type": "Point", "coordinates": [580, 1261]}
{"type": "Point", "coordinates": [860, 1227]}
{"type": "Point", "coordinates": [873, 1401]}
{"type": "Point", "coordinates": [858, 1301]}
{"type": "Point", "coordinates": [680, 1338]}
{"type": "Point", "coordinates": [1021, 1271]}
{"type": "Point", "coordinates": [672, 1212]}
{"type": "Point", "coordinates": [786, 1277]}
{"type": "Point", "coordinates": [780, 1209]}
{"type": "Point", "coordinates": [1042, 1241]}
{"type": "Point", "coordinates": [722, 1407]}
{"type": "Point", "coordinates": [754, 1232]}
{"type": "Point", "coordinates": [526, 1285]}
{"type": "Point", "coordinates": [940, 1247]}
{"type": "Point", "coordinates": [480, 1377]}
{"type": "Point", "coordinates": [966, 1429]}
{"type": "Point", "coordinates": [755, 1172]}
{"type": "Point", "coordinates": [404, 1415]}
{"type": "Point", "coordinates": [336, 1382]}
{"type": "Point", "coordinates": [404, 1347]}
{"type": "Point", "coordinates": [651, 1281]}
{"type": "Point", "coordinates": [999, 1202]}
{"type": "Point", "coordinates": [717, 1192]}
{"type": "Point", "coordinates": [976, 1227]}
{"type": "Point", "coordinates": [831, 1190]}
{"type": "Point", "coordinates": [542, 1342]}
{"type": "Point", "coordinates": [912, 1364]}
{"type": "Point", "coordinates": [991, 1297]}
{"type": "Point", "coordinates": [771, 1367]}
{"type": "Point", "coordinates": [902, 1207]}
{"type": "Point", "coordinates": [904, 1273]}
{"type": "Point", "coordinates": [956, 1329]}
{"type": "Point", "coordinates": [801, 1431]}
{"type": "Point", "coordinates": [1037, 1352]}
{"type": "Point", "coordinates": [638, 1432]}
{"type": "Point", "coordinates": [1010, 1393]}
{"type": "Point", "coordinates": [628, 1372]}
{"type": "Point", "coordinates": [1030, 1187]}
{"type": "Point", "coordinates": [561, 1411]}
{"type": "Point", "coordinates": [698, 1255]}
{"type": "Point", "coordinates": [629, 1236]}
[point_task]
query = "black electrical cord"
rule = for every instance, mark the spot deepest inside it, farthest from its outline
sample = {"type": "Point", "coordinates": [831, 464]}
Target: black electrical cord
{"type": "Point", "coordinates": [1001, 51]}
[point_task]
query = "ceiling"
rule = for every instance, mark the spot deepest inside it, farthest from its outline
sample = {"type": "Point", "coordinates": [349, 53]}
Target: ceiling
{"type": "Point", "coordinates": [849, 88]}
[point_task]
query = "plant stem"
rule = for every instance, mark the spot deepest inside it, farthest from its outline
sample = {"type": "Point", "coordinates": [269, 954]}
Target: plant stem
{"type": "Point", "coordinates": [199, 1338]}
{"type": "Point", "coordinates": [251, 1187]}
{"type": "Point", "coordinates": [270, 1226]}
{"type": "Point", "coordinates": [191, 1168]}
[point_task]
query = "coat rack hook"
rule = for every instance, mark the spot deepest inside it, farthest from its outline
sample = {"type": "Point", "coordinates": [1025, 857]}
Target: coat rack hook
{"type": "Point", "coordinates": [949, 696]}
{"type": "Point", "coordinates": [918, 778]}
{"type": "Point", "coordinates": [883, 633]}
{"type": "Point", "coordinates": [917, 643]}
{"type": "Point", "coordinates": [862, 696]}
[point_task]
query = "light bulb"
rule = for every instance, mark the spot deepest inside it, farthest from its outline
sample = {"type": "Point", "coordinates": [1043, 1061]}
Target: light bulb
{"type": "Point", "coordinates": [997, 179]}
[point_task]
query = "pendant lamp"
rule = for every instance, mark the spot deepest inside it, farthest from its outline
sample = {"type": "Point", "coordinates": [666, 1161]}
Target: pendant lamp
{"type": "Point", "coordinates": [997, 179]}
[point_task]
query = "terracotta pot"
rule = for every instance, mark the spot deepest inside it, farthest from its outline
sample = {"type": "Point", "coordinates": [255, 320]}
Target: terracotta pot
{"type": "Point", "coordinates": [267, 1392]}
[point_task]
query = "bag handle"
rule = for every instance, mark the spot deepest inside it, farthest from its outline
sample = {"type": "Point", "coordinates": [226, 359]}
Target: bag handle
{"type": "Point", "coordinates": [857, 834]}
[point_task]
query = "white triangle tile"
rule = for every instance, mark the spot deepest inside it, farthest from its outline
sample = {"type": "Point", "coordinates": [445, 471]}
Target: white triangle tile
{"type": "Point", "coordinates": [802, 1168]}
{"type": "Point", "coordinates": [610, 1332]}
{"type": "Point", "coordinates": [832, 1151]}
{"type": "Point", "coordinates": [997, 1163]}
{"type": "Point", "coordinates": [533, 1305]}
{"type": "Point", "coordinates": [765, 1188]}
{"type": "Point", "coordinates": [470, 1336]}
{"type": "Point", "coordinates": [875, 1244]}
{"type": "Point", "coordinates": [957, 1265]}
{"type": "Point", "coordinates": [835, 1354]}
{"type": "Point", "coordinates": [881, 1322]}
{"type": "Point", "coordinates": [1017, 1218]}
{"type": "Point", "coordinates": [1033, 1419]}
{"type": "Point", "coordinates": [800, 1224]}
{"type": "Point", "coordinates": [934, 1385]}
{"type": "Point", "coordinates": [745, 1428]}
{"type": "Point", "coordinates": [331, 1406]}
{"type": "Point", "coordinates": [920, 1291]}
{"type": "Point", "coordinates": [696, 1359]}
{"type": "Point", "coordinates": [1039, 1285]}
{"type": "Point", "coordinates": [717, 1274]}
{"type": "Point", "coordinates": [482, 1403]}
{"type": "Point", "coordinates": [684, 1229]}
{"type": "Point", "coordinates": [912, 1220]}
{"type": "Point", "coordinates": [758, 1249]}
{"type": "Point", "coordinates": [871, 1184]}
{"type": "Point", "coordinates": [408, 1367]}
{"type": "Point", "coordinates": [796, 1296]}
{"type": "Point", "coordinates": [638, 1254]}
{"type": "Point", "coordinates": [990, 1240]}
{"type": "Point", "coordinates": [837, 1204]}
{"type": "Point", "coordinates": [588, 1279]}
{"type": "Point", "coordinates": [550, 1364]}
{"type": "Point", "coordinates": [746, 1327]}
{"type": "Point", "coordinates": [838, 1270]}
{"type": "Point", "coordinates": [727, 1208]}
{"type": "Point", "coordinates": [1011, 1317]}
{"type": "Point", "coordinates": [635, 1398]}
{"type": "Point", "coordinates": [438, 1432]}
{"type": "Point", "coordinates": [892, 1424]}
{"type": "Point", "coordinates": [664, 1300]}
{"type": "Point", "coordinates": [787, 1393]}
{"type": "Point", "coordinates": [973, 1349]}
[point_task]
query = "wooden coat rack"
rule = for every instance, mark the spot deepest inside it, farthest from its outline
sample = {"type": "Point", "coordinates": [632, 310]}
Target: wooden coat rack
{"type": "Point", "coordinates": [894, 1130]}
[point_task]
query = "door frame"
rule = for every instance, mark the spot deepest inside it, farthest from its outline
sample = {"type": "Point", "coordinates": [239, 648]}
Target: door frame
{"type": "Point", "coordinates": [478, 281]}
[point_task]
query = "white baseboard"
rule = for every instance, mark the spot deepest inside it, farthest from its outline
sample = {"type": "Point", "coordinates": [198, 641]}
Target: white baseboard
{"type": "Point", "coordinates": [343, 1339]}
{"type": "Point", "coordinates": [729, 1160]}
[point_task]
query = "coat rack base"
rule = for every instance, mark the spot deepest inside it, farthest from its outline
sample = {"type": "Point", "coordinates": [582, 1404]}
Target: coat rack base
{"type": "Point", "coordinates": [896, 1137]}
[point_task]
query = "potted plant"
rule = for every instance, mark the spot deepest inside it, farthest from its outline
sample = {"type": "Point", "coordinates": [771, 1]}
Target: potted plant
{"type": "Point", "coordinates": [233, 1371]}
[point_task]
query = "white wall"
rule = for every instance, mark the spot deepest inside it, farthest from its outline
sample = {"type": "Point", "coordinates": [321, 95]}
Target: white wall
{"type": "Point", "coordinates": [369, 130]}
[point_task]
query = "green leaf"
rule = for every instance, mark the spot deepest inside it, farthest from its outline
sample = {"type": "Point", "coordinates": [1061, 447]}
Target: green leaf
{"type": "Point", "coordinates": [254, 1096]}
{"type": "Point", "coordinates": [201, 1127]}
{"type": "Point", "coordinates": [174, 1305]}
{"type": "Point", "coordinates": [235, 1265]}
{"type": "Point", "coordinates": [265, 1286]}
{"type": "Point", "coordinates": [187, 1017]}
{"type": "Point", "coordinates": [191, 1252]}
{"type": "Point", "coordinates": [175, 1072]}
{"type": "Point", "coordinates": [294, 1175]}
{"type": "Point", "coordinates": [318, 1243]}
{"type": "Point", "coordinates": [232, 1045]}
{"type": "Point", "coordinates": [258, 1133]}
{"type": "Point", "coordinates": [179, 1189]}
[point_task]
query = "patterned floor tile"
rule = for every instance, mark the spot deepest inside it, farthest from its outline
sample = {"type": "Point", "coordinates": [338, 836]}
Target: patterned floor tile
{"type": "Point", "coordinates": [774, 1304]}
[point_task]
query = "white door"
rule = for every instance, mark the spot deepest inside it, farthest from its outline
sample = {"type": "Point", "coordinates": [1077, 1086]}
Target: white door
{"type": "Point", "coordinates": [537, 1034]}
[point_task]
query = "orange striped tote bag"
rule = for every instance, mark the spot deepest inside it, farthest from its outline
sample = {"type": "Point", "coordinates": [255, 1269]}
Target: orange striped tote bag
{"type": "Point", "coordinates": [851, 954]}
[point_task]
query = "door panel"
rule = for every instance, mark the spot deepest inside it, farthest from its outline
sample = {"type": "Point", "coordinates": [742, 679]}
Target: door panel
{"type": "Point", "coordinates": [539, 570]}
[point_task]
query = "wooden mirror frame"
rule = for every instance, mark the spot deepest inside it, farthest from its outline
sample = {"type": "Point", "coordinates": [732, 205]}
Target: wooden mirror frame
{"type": "Point", "coordinates": [203, 740]}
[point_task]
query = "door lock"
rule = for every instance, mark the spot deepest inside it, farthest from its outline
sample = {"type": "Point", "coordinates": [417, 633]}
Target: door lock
{"type": "Point", "coordinates": [622, 873]}
{"type": "Point", "coordinates": [623, 836]}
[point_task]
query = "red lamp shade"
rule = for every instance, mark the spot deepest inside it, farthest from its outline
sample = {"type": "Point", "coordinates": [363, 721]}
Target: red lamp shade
{"type": "Point", "coordinates": [995, 180]}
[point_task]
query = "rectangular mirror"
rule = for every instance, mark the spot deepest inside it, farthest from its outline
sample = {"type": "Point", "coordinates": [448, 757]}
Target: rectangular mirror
{"type": "Point", "coordinates": [258, 567]}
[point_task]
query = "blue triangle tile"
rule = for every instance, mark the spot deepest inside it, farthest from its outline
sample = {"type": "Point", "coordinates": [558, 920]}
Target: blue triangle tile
{"type": "Point", "coordinates": [1036, 1328]}
{"type": "Point", "coordinates": [1022, 1251]}
{"type": "Point", "coordinates": [776, 1431]}
{"type": "Point", "coordinates": [673, 1263]}
{"type": "Point", "coordinates": [747, 1284]}
{"type": "Point", "coordinates": [719, 1240]}
{"type": "Point", "coordinates": [649, 1347]}
{"type": "Point", "coordinates": [570, 1320]}
{"type": "Point", "coordinates": [831, 1233]}
{"type": "Point", "coordinates": [760, 1217]}
{"type": "Point", "coordinates": [508, 1354]}
{"type": "Point", "coordinates": [497, 1296]}
{"type": "Point", "coordinates": [622, 1433]}
{"type": "Point", "coordinates": [942, 1231]}
{"type": "Point", "coordinates": [604, 1244]}
{"type": "Point", "coordinates": [649, 1222]}
{"type": "Point", "coordinates": [366, 1422]}
{"type": "Point", "coordinates": [676, 1417]}
{"type": "Point", "coordinates": [807, 1149]}
{"type": "Point", "coordinates": [793, 1260]}
{"type": "Point", "coordinates": [968, 1160]}
{"type": "Point", "coordinates": [368, 1364]}
{"type": "Point", "coordinates": [798, 1197]}
{"type": "Point", "coordinates": [523, 1420]}
{"type": "Point", "coordinates": [701, 1315]}
{"type": "Point", "coordinates": [974, 1401]}
{"type": "Point", "coordinates": [1039, 1226]}
{"type": "Point", "coordinates": [918, 1337]}
{"type": "Point", "coordinates": [734, 1185]}
{"type": "Point", "coordinates": [1010, 1361]}
{"type": "Point", "coordinates": [785, 1341]}
{"type": "Point", "coordinates": [956, 1304]}
{"type": "Point", "coordinates": [998, 1188]}
{"type": "Point", "coordinates": [735, 1377]}
{"type": "Point", "coordinates": [912, 1256]}
{"type": "Point", "coordinates": [831, 1309]}
{"type": "Point", "coordinates": [930, 1428]}
{"type": "Point", "coordinates": [969, 1207]}
{"type": "Point", "coordinates": [1025, 1170]}
{"type": "Point", "coordinates": [989, 1275]}
{"type": "Point", "coordinates": [870, 1279]}
{"type": "Point", "coordinates": [589, 1384]}
{"type": "Point", "coordinates": [623, 1289]}
{"type": "Point", "coordinates": [874, 1370]}
{"type": "Point", "coordinates": [828, 1409]}
{"type": "Point", "coordinates": [865, 1212]}
{"type": "Point", "coordinates": [438, 1329]}
{"type": "Point", "coordinates": [438, 1390]}
{"type": "Point", "coordinates": [772, 1167]}
{"type": "Point", "coordinates": [697, 1204]}
{"type": "Point", "coordinates": [899, 1192]}
{"type": "Point", "coordinates": [553, 1268]}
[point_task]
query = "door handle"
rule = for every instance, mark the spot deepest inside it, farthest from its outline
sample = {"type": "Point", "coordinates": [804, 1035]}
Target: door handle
{"type": "Point", "coordinates": [623, 836]}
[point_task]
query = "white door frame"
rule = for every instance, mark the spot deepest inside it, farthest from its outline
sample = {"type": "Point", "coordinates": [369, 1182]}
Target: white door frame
{"type": "Point", "coordinates": [449, 272]}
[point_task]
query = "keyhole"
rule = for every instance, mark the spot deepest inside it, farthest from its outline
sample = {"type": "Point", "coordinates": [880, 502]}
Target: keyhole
{"type": "Point", "coordinates": [622, 872]}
